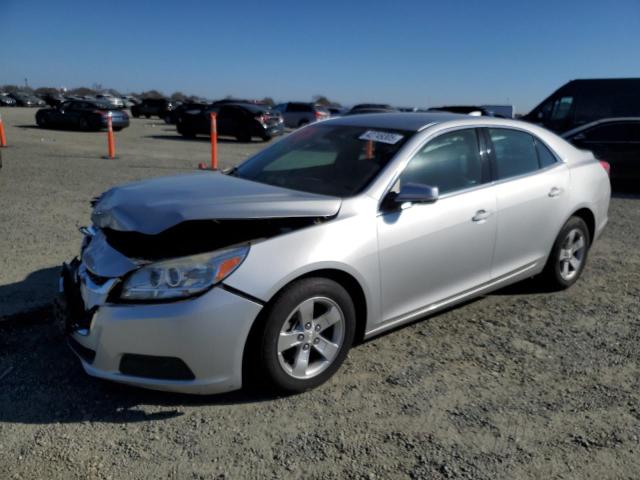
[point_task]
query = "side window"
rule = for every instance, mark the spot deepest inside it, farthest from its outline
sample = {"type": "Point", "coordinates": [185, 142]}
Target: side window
{"type": "Point", "coordinates": [561, 108]}
{"type": "Point", "coordinates": [545, 157]}
{"type": "Point", "coordinates": [515, 152]}
{"type": "Point", "coordinates": [450, 162]}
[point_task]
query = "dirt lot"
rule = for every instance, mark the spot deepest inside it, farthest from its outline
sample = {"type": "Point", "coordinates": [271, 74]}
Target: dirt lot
{"type": "Point", "coordinates": [518, 384]}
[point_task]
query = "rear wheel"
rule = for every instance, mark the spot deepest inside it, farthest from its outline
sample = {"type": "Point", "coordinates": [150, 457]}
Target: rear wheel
{"type": "Point", "coordinates": [83, 124]}
{"type": "Point", "coordinates": [147, 116]}
{"type": "Point", "coordinates": [568, 255]}
{"type": "Point", "coordinates": [41, 120]}
{"type": "Point", "coordinates": [307, 334]}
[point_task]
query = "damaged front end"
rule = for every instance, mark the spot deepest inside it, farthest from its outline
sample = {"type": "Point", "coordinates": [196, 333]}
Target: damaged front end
{"type": "Point", "coordinates": [140, 303]}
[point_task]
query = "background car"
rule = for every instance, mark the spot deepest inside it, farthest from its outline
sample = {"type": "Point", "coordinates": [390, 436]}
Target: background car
{"type": "Point", "coordinates": [53, 99]}
{"type": "Point", "coordinates": [463, 109]}
{"type": "Point", "coordinates": [615, 141]}
{"type": "Point", "coordinates": [27, 100]}
{"type": "Point", "coordinates": [298, 114]}
{"type": "Point", "coordinates": [6, 100]}
{"type": "Point", "coordinates": [82, 115]}
{"type": "Point", "coordinates": [149, 107]}
{"type": "Point", "coordinates": [171, 117]}
{"type": "Point", "coordinates": [240, 120]}
{"type": "Point", "coordinates": [363, 108]}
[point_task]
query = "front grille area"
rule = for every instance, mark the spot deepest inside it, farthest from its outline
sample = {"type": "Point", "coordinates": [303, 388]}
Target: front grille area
{"type": "Point", "coordinates": [148, 366]}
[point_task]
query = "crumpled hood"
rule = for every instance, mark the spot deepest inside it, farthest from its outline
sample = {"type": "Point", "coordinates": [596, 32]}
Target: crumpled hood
{"type": "Point", "coordinates": [152, 206]}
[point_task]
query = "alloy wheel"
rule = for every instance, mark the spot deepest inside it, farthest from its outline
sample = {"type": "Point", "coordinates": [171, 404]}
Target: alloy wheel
{"type": "Point", "coordinates": [311, 338]}
{"type": "Point", "coordinates": [572, 254]}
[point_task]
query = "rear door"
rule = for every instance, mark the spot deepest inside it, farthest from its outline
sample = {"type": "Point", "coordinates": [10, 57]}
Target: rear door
{"type": "Point", "coordinates": [531, 193]}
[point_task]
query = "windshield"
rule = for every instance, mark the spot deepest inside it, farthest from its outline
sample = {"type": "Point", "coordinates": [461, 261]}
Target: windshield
{"type": "Point", "coordinates": [325, 159]}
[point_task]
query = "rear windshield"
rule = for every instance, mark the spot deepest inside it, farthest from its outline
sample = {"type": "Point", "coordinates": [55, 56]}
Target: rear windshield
{"type": "Point", "coordinates": [325, 159]}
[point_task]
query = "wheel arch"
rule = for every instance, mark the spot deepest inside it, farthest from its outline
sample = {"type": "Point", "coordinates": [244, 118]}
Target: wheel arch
{"type": "Point", "coordinates": [343, 278]}
{"type": "Point", "coordinates": [589, 218]}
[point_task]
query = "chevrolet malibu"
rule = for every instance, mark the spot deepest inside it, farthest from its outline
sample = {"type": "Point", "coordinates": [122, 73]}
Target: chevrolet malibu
{"type": "Point", "coordinates": [343, 230]}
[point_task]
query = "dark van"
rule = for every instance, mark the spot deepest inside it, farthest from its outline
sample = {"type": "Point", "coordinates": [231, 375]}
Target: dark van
{"type": "Point", "coordinates": [583, 101]}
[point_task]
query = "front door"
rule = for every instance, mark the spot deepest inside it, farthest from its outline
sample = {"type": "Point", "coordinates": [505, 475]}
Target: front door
{"type": "Point", "coordinates": [430, 253]}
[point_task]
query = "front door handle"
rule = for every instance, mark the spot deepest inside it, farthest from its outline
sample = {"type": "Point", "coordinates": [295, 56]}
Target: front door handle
{"type": "Point", "coordinates": [555, 191]}
{"type": "Point", "coordinates": [481, 216]}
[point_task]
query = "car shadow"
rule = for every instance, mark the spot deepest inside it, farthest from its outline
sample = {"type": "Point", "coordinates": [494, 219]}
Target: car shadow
{"type": "Point", "coordinates": [202, 138]}
{"type": "Point", "coordinates": [37, 289]}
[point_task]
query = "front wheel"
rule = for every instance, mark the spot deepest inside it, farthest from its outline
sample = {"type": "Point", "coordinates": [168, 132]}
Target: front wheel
{"type": "Point", "coordinates": [307, 334]}
{"type": "Point", "coordinates": [568, 255]}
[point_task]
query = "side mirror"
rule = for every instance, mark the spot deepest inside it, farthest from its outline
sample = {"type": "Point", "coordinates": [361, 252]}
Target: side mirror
{"type": "Point", "coordinates": [412, 193]}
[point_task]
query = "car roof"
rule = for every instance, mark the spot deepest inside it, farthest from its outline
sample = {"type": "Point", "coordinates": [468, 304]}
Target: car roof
{"type": "Point", "coordinates": [410, 121]}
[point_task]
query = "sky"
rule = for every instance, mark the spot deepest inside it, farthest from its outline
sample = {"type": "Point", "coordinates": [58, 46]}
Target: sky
{"type": "Point", "coordinates": [406, 53]}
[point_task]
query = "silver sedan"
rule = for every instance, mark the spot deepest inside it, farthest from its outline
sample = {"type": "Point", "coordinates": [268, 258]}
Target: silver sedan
{"type": "Point", "coordinates": [347, 228]}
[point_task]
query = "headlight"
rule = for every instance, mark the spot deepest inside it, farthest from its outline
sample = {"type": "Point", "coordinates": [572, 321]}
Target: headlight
{"type": "Point", "coordinates": [182, 277]}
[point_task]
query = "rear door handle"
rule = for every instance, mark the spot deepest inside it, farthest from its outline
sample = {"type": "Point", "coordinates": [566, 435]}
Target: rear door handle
{"type": "Point", "coordinates": [555, 191]}
{"type": "Point", "coordinates": [481, 215]}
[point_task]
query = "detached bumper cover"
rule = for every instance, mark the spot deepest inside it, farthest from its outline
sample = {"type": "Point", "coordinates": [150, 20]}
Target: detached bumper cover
{"type": "Point", "coordinates": [207, 333]}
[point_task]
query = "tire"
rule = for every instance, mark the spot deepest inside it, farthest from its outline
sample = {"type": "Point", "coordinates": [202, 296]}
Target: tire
{"type": "Point", "coordinates": [288, 337]}
{"type": "Point", "coordinates": [303, 123]}
{"type": "Point", "coordinates": [41, 120]}
{"type": "Point", "coordinates": [568, 255]}
{"type": "Point", "coordinates": [147, 116]}
{"type": "Point", "coordinates": [135, 115]}
{"type": "Point", "coordinates": [117, 129]}
{"type": "Point", "coordinates": [83, 124]}
{"type": "Point", "coordinates": [266, 137]}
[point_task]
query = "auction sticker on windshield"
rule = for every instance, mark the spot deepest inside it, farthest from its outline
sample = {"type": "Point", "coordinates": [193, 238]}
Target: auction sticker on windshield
{"type": "Point", "coordinates": [382, 137]}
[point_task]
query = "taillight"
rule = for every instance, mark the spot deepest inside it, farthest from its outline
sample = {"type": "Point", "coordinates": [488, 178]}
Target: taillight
{"type": "Point", "coordinates": [319, 115]}
{"type": "Point", "coordinates": [262, 118]}
{"type": "Point", "coordinates": [606, 166]}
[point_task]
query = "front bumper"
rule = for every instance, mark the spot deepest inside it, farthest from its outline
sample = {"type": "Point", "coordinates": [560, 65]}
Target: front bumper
{"type": "Point", "coordinates": [207, 334]}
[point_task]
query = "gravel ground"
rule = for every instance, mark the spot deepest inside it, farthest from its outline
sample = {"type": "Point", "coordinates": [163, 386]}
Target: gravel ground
{"type": "Point", "coordinates": [518, 384]}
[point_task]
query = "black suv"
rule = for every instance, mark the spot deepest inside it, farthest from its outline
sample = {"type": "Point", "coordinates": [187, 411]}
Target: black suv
{"type": "Point", "coordinates": [160, 107]}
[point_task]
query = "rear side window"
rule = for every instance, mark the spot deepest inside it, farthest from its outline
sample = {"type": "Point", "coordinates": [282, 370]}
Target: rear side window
{"type": "Point", "coordinates": [450, 162]}
{"type": "Point", "coordinates": [514, 151]}
{"type": "Point", "coordinates": [545, 157]}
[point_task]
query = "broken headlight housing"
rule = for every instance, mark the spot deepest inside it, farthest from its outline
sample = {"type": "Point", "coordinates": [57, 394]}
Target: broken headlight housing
{"type": "Point", "coordinates": [182, 277]}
